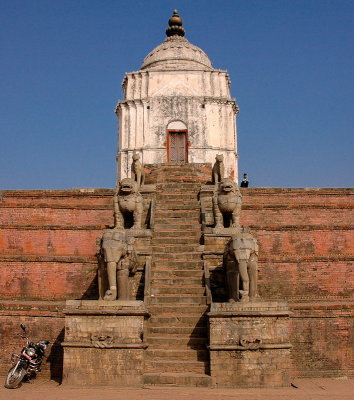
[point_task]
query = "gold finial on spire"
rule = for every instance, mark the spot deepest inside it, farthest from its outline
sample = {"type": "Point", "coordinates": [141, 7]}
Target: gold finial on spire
{"type": "Point", "coordinates": [175, 25]}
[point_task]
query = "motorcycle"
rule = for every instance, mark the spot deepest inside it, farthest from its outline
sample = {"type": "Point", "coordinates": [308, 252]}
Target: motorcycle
{"type": "Point", "coordinates": [28, 363]}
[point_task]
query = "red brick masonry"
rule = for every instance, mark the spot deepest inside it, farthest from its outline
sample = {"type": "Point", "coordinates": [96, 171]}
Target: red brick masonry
{"type": "Point", "coordinates": [47, 255]}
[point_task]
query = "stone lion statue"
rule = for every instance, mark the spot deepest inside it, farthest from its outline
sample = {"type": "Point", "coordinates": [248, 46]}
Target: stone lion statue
{"type": "Point", "coordinates": [240, 263]}
{"type": "Point", "coordinates": [128, 202]}
{"type": "Point", "coordinates": [227, 202]}
{"type": "Point", "coordinates": [137, 170]}
{"type": "Point", "coordinates": [218, 169]}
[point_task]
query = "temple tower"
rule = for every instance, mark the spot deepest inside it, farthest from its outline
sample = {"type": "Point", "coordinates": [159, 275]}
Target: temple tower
{"type": "Point", "coordinates": [177, 108]}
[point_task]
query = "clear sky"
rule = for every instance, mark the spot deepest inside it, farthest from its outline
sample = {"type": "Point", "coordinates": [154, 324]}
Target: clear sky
{"type": "Point", "coordinates": [62, 64]}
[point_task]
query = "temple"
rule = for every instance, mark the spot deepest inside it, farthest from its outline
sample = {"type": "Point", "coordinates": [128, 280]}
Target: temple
{"type": "Point", "coordinates": [177, 108]}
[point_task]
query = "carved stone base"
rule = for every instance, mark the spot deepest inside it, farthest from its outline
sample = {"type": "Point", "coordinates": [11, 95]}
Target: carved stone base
{"type": "Point", "coordinates": [104, 342]}
{"type": "Point", "coordinates": [249, 344]}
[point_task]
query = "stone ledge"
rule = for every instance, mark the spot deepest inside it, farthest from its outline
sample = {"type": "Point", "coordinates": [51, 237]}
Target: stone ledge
{"type": "Point", "coordinates": [231, 314]}
{"type": "Point", "coordinates": [104, 307]}
{"type": "Point", "coordinates": [228, 232]}
{"type": "Point", "coordinates": [107, 346]}
{"type": "Point", "coordinates": [74, 192]}
{"type": "Point", "coordinates": [250, 309]}
{"type": "Point", "coordinates": [289, 258]}
{"type": "Point", "coordinates": [266, 346]}
{"type": "Point", "coordinates": [27, 258]}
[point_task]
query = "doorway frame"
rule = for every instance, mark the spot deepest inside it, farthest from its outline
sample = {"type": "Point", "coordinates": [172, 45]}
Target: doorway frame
{"type": "Point", "coordinates": [185, 131]}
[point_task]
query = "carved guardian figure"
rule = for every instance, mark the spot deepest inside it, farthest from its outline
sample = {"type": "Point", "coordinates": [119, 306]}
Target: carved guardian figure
{"type": "Point", "coordinates": [218, 169]}
{"type": "Point", "coordinates": [240, 263]}
{"type": "Point", "coordinates": [128, 202]}
{"type": "Point", "coordinates": [227, 202]}
{"type": "Point", "coordinates": [120, 259]}
{"type": "Point", "coordinates": [137, 170]}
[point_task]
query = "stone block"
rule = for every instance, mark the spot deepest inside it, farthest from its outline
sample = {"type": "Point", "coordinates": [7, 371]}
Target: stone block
{"type": "Point", "coordinates": [104, 342]}
{"type": "Point", "coordinates": [249, 344]}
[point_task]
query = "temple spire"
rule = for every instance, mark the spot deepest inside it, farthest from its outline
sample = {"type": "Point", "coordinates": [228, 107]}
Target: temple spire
{"type": "Point", "coordinates": [175, 25]}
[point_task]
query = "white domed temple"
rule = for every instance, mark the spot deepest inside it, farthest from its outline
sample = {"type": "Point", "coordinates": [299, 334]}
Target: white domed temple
{"type": "Point", "coordinates": [177, 108]}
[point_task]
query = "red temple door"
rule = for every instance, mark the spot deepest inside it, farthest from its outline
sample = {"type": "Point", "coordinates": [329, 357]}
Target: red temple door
{"type": "Point", "coordinates": [177, 147]}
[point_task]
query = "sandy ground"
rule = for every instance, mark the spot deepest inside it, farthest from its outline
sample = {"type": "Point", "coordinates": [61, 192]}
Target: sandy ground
{"type": "Point", "coordinates": [307, 389]}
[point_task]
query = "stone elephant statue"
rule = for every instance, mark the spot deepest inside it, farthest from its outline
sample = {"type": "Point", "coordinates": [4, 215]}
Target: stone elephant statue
{"type": "Point", "coordinates": [240, 263]}
{"type": "Point", "coordinates": [119, 260]}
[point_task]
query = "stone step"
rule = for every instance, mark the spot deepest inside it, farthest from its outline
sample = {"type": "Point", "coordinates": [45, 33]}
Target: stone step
{"type": "Point", "coordinates": [163, 267]}
{"type": "Point", "coordinates": [181, 188]}
{"type": "Point", "coordinates": [182, 273]}
{"type": "Point", "coordinates": [177, 232]}
{"type": "Point", "coordinates": [178, 187]}
{"type": "Point", "coordinates": [180, 309]}
{"type": "Point", "coordinates": [180, 256]}
{"type": "Point", "coordinates": [180, 218]}
{"type": "Point", "coordinates": [186, 300]}
{"type": "Point", "coordinates": [175, 195]}
{"type": "Point", "coordinates": [179, 342]}
{"type": "Point", "coordinates": [174, 225]}
{"type": "Point", "coordinates": [178, 355]}
{"type": "Point", "coordinates": [187, 240]}
{"type": "Point", "coordinates": [182, 171]}
{"type": "Point", "coordinates": [171, 206]}
{"type": "Point", "coordinates": [166, 173]}
{"type": "Point", "coordinates": [178, 330]}
{"type": "Point", "coordinates": [178, 291]}
{"type": "Point", "coordinates": [181, 185]}
{"type": "Point", "coordinates": [162, 262]}
{"type": "Point", "coordinates": [172, 249]}
{"type": "Point", "coordinates": [180, 281]}
{"type": "Point", "coordinates": [163, 214]}
{"type": "Point", "coordinates": [180, 319]}
{"type": "Point", "coordinates": [176, 366]}
{"type": "Point", "coordinates": [177, 379]}
{"type": "Point", "coordinates": [184, 195]}
{"type": "Point", "coordinates": [189, 262]}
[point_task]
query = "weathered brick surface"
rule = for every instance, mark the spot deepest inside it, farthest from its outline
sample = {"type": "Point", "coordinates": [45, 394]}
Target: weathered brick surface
{"type": "Point", "coordinates": [47, 253]}
{"type": "Point", "coordinates": [47, 280]}
{"type": "Point", "coordinates": [42, 324]}
{"type": "Point", "coordinates": [309, 279]}
{"type": "Point", "coordinates": [114, 367]}
{"type": "Point", "coordinates": [250, 369]}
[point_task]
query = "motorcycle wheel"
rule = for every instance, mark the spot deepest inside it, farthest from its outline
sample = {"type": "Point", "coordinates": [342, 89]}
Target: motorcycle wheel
{"type": "Point", "coordinates": [14, 377]}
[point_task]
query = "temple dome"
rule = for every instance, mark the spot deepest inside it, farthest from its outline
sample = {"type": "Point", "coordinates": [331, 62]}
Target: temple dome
{"type": "Point", "coordinates": [176, 52]}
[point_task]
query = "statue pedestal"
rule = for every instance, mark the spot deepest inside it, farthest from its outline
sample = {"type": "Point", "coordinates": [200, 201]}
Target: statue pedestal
{"type": "Point", "coordinates": [104, 342]}
{"type": "Point", "coordinates": [249, 344]}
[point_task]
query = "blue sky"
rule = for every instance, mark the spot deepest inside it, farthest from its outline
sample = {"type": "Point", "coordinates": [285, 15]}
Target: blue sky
{"type": "Point", "coordinates": [62, 64]}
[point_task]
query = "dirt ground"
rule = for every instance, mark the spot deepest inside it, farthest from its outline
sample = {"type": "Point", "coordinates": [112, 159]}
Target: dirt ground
{"type": "Point", "coordinates": [306, 389]}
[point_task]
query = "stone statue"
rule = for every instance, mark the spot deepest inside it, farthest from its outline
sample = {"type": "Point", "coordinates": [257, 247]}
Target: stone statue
{"type": "Point", "coordinates": [128, 202]}
{"type": "Point", "coordinates": [227, 202]}
{"type": "Point", "coordinates": [218, 169]}
{"type": "Point", "coordinates": [121, 260]}
{"type": "Point", "coordinates": [240, 263]}
{"type": "Point", "coordinates": [137, 170]}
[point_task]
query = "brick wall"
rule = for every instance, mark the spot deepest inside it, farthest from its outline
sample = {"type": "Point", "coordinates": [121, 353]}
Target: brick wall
{"type": "Point", "coordinates": [48, 255]}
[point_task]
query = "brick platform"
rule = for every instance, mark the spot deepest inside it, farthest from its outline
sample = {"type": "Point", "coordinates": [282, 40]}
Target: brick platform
{"type": "Point", "coordinates": [48, 255]}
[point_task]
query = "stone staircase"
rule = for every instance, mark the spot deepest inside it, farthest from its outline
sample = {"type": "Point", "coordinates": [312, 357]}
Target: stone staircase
{"type": "Point", "coordinates": [177, 328]}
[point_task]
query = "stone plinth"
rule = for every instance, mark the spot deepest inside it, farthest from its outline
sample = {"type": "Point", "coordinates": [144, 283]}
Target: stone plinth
{"type": "Point", "coordinates": [104, 342]}
{"type": "Point", "coordinates": [249, 344]}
